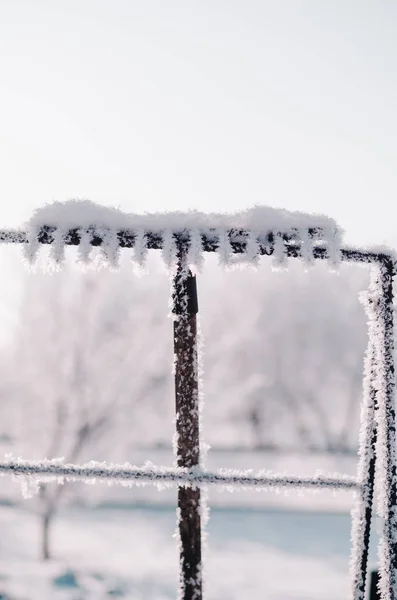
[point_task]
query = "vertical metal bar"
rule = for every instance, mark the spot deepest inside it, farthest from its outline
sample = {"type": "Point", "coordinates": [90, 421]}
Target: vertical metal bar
{"type": "Point", "coordinates": [386, 447]}
{"type": "Point", "coordinates": [362, 513]}
{"type": "Point", "coordinates": [374, 586]}
{"type": "Point", "coordinates": [187, 425]}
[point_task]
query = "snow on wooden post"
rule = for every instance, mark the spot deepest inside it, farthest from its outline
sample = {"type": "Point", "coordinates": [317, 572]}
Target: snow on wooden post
{"type": "Point", "coordinates": [187, 424]}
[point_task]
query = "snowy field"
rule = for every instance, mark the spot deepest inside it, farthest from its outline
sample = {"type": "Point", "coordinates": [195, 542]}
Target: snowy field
{"type": "Point", "coordinates": [131, 553]}
{"type": "Point", "coordinates": [278, 546]}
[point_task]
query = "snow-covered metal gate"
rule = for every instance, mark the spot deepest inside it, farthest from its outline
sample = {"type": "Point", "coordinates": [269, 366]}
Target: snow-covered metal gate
{"type": "Point", "coordinates": [377, 444]}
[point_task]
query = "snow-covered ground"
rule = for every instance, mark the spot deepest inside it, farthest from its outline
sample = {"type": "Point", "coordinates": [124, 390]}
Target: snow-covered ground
{"type": "Point", "coordinates": [104, 553]}
{"type": "Point", "coordinates": [121, 544]}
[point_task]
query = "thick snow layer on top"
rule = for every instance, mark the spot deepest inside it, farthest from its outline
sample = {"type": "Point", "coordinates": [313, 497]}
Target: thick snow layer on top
{"type": "Point", "coordinates": [84, 213]}
{"type": "Point", "coordinates": [107, 222]}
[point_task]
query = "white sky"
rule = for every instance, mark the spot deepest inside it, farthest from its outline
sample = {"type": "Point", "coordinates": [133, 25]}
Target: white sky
{"type": "Point", "coordinates": [214, 104]}
{"type": "Point", "coordinates": [211, 104]}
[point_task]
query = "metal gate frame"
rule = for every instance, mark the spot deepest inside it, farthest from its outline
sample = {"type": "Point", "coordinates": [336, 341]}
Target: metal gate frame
{"type": "Point", "coordinates": [377, 445]}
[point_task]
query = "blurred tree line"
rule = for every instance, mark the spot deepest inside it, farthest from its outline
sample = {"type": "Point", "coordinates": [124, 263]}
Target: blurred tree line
{"type": "Point", "coordinates": [88, 374]}
{"type": "Point", "coordinates": [92, 356]}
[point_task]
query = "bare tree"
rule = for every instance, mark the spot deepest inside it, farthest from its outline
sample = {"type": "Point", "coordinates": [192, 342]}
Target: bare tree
{"type": "Point", "coordinates": [86, 360]}
{"type": "Point", "coordinates": [286, 350]}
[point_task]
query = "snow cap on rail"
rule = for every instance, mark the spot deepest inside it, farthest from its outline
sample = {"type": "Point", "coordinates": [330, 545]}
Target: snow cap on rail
{"type": "Point", "coordinates": [255, 228]}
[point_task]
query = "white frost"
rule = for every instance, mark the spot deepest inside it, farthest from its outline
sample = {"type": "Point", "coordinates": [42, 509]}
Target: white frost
{"type": "Point", "coordinates": [378, 409]}
{"type": "Point", "coordinates": [84, 248]}
{"type": "Point", "coordinates": [169, 248]}
{"type": "Point", "coordinates": [84, 213]}
{"type": "Point", "coordinates": [128, 475]}
{"type": "Point", "coordinates": [366, 455]}
{"type": "Point", "coordinates": [250, 228]}
{"type": "Point", "coordinates": [140, 248]}
{"type": "Point", "coordinates": [195, 257]}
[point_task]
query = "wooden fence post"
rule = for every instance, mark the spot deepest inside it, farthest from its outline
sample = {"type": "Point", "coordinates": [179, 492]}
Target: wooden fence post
{"type": "Point", "coordinates": [185, 308]}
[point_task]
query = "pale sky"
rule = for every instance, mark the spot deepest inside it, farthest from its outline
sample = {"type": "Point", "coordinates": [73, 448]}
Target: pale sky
{"type": "Point", "coordinates": [210, 104]}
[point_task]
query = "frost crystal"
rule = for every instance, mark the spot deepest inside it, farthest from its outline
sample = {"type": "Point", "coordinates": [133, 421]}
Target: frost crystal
{"type": "Point", "coordinates": [382, 295]}
{"type": "Point", "coordinates": [58, 246]}
{"type": "Point", "coordinates": [129, 475]}
{"type": "Point", "coordinates": [169, 248]}
{"type": "Point", "coordinates": [279, 253]}
{"type": "Point", "coordinates": [334, 243]}
{"type": "Point", "coordinates": [366, 456]}
{"type": "Point", "coordinates": [224, 248]}
{"type": "Point", "coordinates": [229, 233]}
{"type": "Point", "coordinates": [378, 411]}
{"type": "Point", "coordinates": [32, 246]}
{"type": "Point", "coordinates": [195, 255]}
{"type": "Point", "coordinates": [252, 250]}
{"type": "Point", "coordinates": [306, 247]}
{"type": "Point", "coordinates": [84, 248]}
{"type": "Point", "coordinates": [140, 248]}
{"type": "Point", "coordinates": [110, 247]}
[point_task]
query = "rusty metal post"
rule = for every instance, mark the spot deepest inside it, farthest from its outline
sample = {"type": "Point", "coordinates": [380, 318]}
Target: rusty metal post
{"type": "Point", "coordinates": [361, 523]}
{"type": "Point", "coordinates": [185, 308]}
{"type": "Point", "coordinates": [374, 593]}
{"type": "Point", "coordinates": [386, 449]}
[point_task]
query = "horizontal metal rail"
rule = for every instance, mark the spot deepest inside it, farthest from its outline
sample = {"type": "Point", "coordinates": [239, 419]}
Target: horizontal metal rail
{"type": "Point", "coordinates": [189, 477]}
{"type": "Point", "coordinates": [238, 242]}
